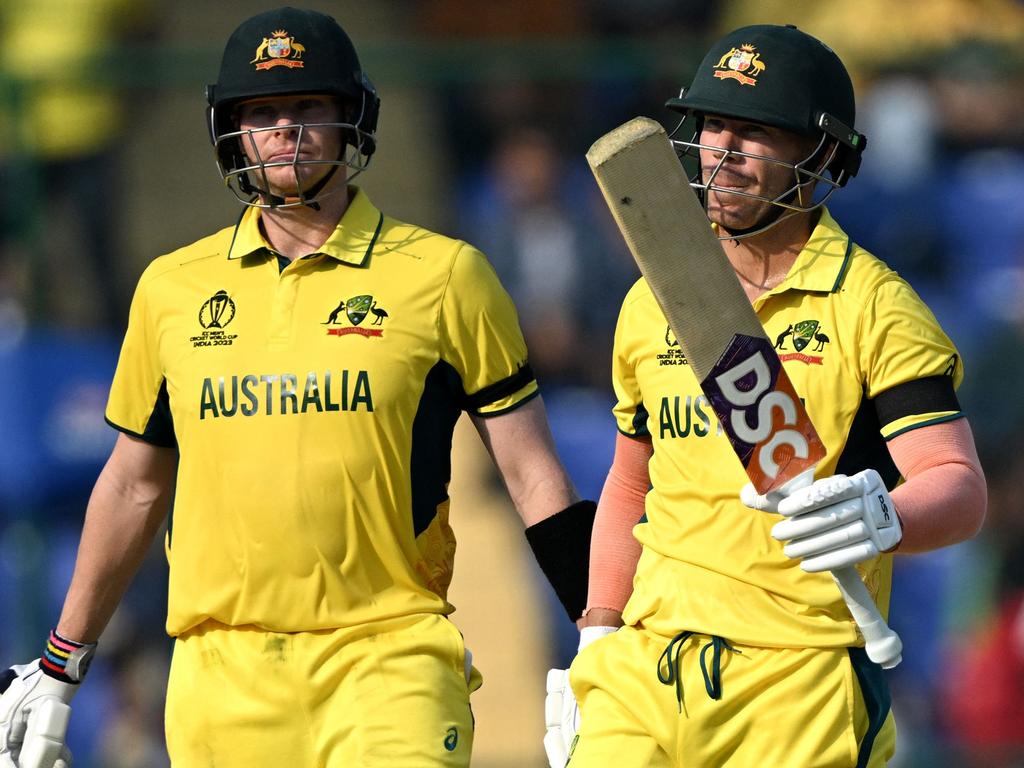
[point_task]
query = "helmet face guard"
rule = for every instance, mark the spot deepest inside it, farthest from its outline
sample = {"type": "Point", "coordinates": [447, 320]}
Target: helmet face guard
{"type": "Point", "coordinates": [783, 78]}
{"type": "Point", "coordinates": [287, 52]}
{"type": "Point", "coordinates": [247, 177]}
{"type": "Point", "coordinates": [814, 178]}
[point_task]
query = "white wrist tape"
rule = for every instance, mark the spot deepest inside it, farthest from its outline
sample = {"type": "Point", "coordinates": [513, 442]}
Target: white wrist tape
{"type": "Point", "coordinates": [590, 634]}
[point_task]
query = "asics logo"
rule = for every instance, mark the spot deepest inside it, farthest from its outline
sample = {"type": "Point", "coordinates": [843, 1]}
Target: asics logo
{"type": "Point", "coordinates": [451, 739]}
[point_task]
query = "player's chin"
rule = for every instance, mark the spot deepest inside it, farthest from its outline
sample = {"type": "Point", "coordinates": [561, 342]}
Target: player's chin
{"type": "Point", "coordinates": [731, 217]}
{"type": "Point", "coordinates": [288, 183]}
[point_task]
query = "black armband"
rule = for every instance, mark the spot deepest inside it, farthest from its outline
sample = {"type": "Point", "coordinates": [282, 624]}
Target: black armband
{"type": "Point", "coordinates": [932, 394]}
{"type": "Point", "coordinates": [561, 544]}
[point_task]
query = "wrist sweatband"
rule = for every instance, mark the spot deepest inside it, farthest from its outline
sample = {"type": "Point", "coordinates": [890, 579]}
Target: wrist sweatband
{"type": "Point", "coordinates": [66, 660]}
{"type": "Point", "coordinates": [561, 544]}
{"type": "Point", "coordinates": [590, 634]}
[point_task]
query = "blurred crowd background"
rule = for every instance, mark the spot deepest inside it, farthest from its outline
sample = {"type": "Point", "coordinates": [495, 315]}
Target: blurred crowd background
{"type": "Point", "coordinates": [488, 108]}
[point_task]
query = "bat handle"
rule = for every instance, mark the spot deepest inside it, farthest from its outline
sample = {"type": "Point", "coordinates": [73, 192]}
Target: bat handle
{"type": "Point", "coordinates": [883, 646]}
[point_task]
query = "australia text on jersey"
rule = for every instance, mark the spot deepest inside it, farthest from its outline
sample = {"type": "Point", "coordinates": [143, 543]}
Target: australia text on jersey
{"type": "Point", "coordinates": [680, 416]}
{"type": "Point", "coordinates": [677, 416]}
{"type": "Point", "coordinates": [280, 394]}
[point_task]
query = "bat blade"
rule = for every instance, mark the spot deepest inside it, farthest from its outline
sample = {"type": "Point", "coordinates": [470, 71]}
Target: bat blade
{"type": "Point", "coordinates": [668, 233]}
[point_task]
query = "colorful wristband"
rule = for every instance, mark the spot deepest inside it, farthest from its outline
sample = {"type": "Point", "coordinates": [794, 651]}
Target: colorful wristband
{"type": "Point", "coordinates": [66, 660]}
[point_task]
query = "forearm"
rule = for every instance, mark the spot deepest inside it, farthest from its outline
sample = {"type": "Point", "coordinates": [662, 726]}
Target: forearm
{"type": "Point", "coordinates": [940, 507]}
{"type": "Point", "coordinates": [523, 450]}
{"type": "Point", "coordinates": [944, 498]}
{"type": "Point", "coordinates": [558, 524]}
{"type": "Point", "coordinates": [542, 491]}
{"type": "Point", "coordinates": [614, 551]}
{"type": "Point", "coordinates": [124, 513]}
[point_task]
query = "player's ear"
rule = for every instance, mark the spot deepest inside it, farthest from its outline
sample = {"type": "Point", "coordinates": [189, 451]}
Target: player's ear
{"type": "Point", "coordinates": [822, 159]}
{"type": "Point", "coordinates": [830, 160]}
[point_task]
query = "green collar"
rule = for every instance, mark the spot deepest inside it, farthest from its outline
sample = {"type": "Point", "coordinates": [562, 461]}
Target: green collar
{"type": "Point", "coordinates": [821, 265]}
{"type": "Point", "coordinates": [351, 242]}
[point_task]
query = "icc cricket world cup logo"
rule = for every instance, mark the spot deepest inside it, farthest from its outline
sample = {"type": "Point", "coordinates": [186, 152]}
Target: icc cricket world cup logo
{"type": "Point", "coordinates": [218, 311]}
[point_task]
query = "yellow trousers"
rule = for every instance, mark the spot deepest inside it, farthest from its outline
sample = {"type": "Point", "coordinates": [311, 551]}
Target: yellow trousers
{"type": "Point", "coordinates": [648, 701]}
{"type": "Point", "coordinates": [394, 694]}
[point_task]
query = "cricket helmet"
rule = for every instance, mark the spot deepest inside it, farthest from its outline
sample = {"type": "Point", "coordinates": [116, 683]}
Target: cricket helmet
{"type": "Point", "coordinates": [782, 77]}
{"type": "Point", "coordinates": [289, 51]}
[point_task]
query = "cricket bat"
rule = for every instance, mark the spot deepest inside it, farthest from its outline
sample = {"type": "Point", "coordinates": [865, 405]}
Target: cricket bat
{"type": "Point", "coordinates": [667, 230]}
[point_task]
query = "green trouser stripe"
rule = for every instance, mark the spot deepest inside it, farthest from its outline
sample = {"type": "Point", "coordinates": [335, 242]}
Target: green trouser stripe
{"type": "Point", "coordinates": [877, 699]}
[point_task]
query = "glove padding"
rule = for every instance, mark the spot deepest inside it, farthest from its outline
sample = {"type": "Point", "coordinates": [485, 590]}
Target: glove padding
{"type": "Point", "coordinates": [34, 714]}
{"type": "Point", "coordinates": [561, 717]}
{"type": "Point", "coordinates": [561, 712]}
{"type": "Point", "coordinates": [833, 523]}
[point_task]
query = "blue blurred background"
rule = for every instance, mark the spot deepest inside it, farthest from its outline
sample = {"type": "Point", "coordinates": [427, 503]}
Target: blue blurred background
{"type": "Point", "coordinates": [488, 108]}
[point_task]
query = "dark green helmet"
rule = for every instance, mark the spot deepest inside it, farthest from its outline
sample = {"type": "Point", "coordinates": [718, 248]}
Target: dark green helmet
{"type": "Point", "coordinates": [774, 75]}
{"type": "Point", "coordinates": [781, 77]}
{"type": "Point", "coordinates": [283, 52]}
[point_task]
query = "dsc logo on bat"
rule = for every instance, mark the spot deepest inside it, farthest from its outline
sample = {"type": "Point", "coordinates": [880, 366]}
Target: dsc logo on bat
{"type": "Point", "coordinates": [761, 413]}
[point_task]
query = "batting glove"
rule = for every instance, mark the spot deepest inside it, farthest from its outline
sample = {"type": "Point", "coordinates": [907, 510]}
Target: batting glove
{"type": "Point", "coordinates": [833, 523]}
{"type": "Point", "coordinates": [561, 712]}
{"type": "Point", "coordinates": [34, 715]}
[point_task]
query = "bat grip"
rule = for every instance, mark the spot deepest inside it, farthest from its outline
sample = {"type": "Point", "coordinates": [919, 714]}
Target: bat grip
{"type": "Point", "coordinates": [883, 646]}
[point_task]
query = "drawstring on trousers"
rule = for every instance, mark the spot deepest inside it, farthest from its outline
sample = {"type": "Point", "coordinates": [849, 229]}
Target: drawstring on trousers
{"type": "Point", "coordinates": [672, 674]}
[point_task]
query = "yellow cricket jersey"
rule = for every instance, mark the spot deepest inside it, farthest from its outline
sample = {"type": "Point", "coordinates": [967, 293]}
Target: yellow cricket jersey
{"type": "Point", "coordinates": [869, 360]}
{"type": "Point", "coordinates": [312, 404]}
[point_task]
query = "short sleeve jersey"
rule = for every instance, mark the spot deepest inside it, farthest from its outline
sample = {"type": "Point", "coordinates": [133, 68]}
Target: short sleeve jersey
{"type": "Point", "coordinates": [312, 404]}
{"type": "Point", "coordinates": [870, 362]}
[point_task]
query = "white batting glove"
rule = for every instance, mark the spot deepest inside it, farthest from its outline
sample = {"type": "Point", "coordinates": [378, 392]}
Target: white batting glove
{"type": "Point", "coordinates": [561, 713]}
{"type": "Point", "coordinates": [833, 523]}
{"type": "Point", "coordinates": [34, 715]}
